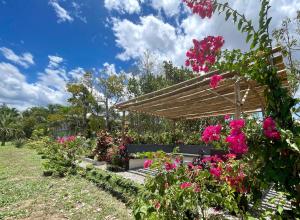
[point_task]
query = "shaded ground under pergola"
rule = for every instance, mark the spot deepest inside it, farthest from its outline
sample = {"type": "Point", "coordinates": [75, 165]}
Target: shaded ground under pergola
{"type": "Point", "coordinates": [194, 98]}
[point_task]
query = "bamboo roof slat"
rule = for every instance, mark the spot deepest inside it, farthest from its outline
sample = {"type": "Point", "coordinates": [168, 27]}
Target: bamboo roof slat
{"type": "Point", "coordinates": [194, 98]}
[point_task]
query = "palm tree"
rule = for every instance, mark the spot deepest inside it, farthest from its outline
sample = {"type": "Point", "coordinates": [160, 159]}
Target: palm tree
{"type": "Point", "coordinates": [8, 116]}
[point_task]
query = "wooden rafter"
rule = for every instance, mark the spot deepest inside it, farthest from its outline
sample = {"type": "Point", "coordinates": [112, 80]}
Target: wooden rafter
{"type": "Point", "coordinates": [194, 98]}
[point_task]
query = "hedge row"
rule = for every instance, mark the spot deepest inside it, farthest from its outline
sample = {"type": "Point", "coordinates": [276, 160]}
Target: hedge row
{"type": "Point", "coordinates": [121, 188]}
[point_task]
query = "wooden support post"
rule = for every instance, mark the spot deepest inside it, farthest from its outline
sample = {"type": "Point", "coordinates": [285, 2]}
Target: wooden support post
{"type": "Point", "coordinates": [174, 131]}
{"type": "Point", "coordinates": [237, 99]}
{"type": "Point", "coordinates": [123, 125]}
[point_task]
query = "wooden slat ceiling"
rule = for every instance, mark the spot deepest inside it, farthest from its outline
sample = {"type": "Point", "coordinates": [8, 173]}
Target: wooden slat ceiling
{"type": "Point", "coordinates": [193, 99]}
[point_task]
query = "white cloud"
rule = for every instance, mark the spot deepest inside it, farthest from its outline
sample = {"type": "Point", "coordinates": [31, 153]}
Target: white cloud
{"type": "Point", "coordinates": [109, 69]}
{"type": "Point", "coordinates": [25, 60]}
{"type": "Point", "coordinates": [150, 34]}
{"type": "Point", "coordinates": [170, 7]}
{"type": "Point", "coordinates": [122, 6]}
{"type": "Point", "coordinates": [171, 40]}
{"type": "Point", "coordinates": [54, 61]}
{"type": "Point", "coordinates": [77, 12]}
{"type": "Point", "coordinates": [62, 14]}
{"type": "Point", "coordinates": [50, 87]}
{"type": "Point", "coordinates": [17, 92]}
{"type": "Point", "coordinates": [76, 73]}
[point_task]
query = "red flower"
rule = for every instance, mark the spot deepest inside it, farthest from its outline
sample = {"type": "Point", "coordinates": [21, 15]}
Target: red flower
{"type": "Point", "coordinates": [215, 171]}
{"type": "Point", "coordinates": [170, 166]}
{"type": "Point", "coordinates": [147, 163]}
{"type": "Point", "coordinates": [157, 205]}
{"type": "Point", "coordinates": [214, 81]}
{"type": "Point", "coordinates": [204, 8]}
{"type": "Point", "coordinates": [270, 130]}
{"type": "Point", "coordinates": [185, 185]}
{"type": "Point", "coordinates": [211, 133]}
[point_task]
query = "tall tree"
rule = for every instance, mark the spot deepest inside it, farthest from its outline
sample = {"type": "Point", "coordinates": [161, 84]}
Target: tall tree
{"type": "Point", "coordinates": [288, 37]}
{"type": "Point", "coordinates": [8, 119]}
{"type": "Point", "coordinates": [82, 100]}
{"type": "Point", "coordinates": [112, 87]}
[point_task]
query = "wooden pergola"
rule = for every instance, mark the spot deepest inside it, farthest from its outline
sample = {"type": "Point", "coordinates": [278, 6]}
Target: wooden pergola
{"type": "Point", "coordinates": [194, 98]}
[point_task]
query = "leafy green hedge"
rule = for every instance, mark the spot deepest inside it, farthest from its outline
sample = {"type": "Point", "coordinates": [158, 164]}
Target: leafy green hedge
{"type": "Point", "coordinates": [121, 188]}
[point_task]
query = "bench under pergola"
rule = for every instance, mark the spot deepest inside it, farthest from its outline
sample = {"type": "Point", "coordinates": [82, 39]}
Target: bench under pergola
{"type": "Point", "coordinates": [195, 99]}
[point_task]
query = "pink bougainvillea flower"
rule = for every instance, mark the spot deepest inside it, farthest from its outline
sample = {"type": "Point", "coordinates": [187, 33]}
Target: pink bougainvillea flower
{"type": "Point", "coordinates": [148, 163]}
{"type": "Point", "coordinates": [215, 171]}
{"type": "Point", "coordinates": [157, 205]}
{"type": "Point", "coordinates": [230, 156]}
{"type": "Point", "coordinates": [226, 117]}
{"type": "Point", "coordinates": [190, 165]}
{"type": "Point", "coordinates": [237, 143]}
{"type": "Point", "coordinates": [197, 188]}
{"type": "Point", "coordinates": [170, 166]}
{"type": "Point", "coordinates": [122, 147]}
{"type": "Point", "coordinates": [204, 8]}
{"type": "Point", "coordinates": [212, 159]}
{"type": "Point", "coordinates": [60, 140]}
{"type": "Point", "coordinates": [178, 160]}
{"type": "Point", "coordinates": [185, 185]}
{"type": "Point", "coordinates": [71, 138]}
{"type": "Point", "coordinates": [214, 81]}
{"type": "Point", "coordinates": [237, 124]}
{"type": "Point", "coordinates": [203, 54]}
{"type": "Point", "coordinates": [211, 133]}
{"type": "Point", "coordinates": [270, 130]}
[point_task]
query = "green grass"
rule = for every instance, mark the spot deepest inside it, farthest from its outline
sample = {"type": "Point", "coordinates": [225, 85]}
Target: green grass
{"type": "Point", "coordinates": [26, 194]}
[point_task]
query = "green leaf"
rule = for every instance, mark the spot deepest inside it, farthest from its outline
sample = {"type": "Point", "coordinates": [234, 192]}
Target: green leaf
{"type": "Point", "coordinates": [234, 16]}
{"type": "Point", "coordinates": [249, 36]}
{"type": "Point", "coordinates": [240, 24]}
{"type": "Point", "coordinates": [280, 209]}
{"type": "Point", "coordinates": [228, 13]}
{"type": "Point", "coordinates": [225, 5]}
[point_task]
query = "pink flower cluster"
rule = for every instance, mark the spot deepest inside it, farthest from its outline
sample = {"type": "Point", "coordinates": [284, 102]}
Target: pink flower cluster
{"type": "Point", "coordinates": [185, 185]}
{"type": "Point", "coordinates": [212, 159]}
{"type": "Point", "coordinates": [170, 166]}
{"type": "Point", "coordinates": [203, 55]}
{"type": "Point", "coordinates": [214, 81]}
{"type": "Point", "coordinates": [204, 8]}
{"type": "Point", "coordinates": [211, 133]}
{"type": "Point", "coordinates": [147, 163]}
{"type": "Point", "coordinates": [215, 172]}
{"type": "Point", "coordinates": [270, 130]}
{"type": "Point", "coordinates": [63, 140]}
{"type": "Point", "coordinates": [237, 139]}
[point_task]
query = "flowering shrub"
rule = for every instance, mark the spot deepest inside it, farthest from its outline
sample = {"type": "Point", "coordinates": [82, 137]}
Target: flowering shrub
{"type": "Point", "coordinates": [186, 191]}
{"type": "Point", "coordinates": [62, 155]}
{"type": "Point", "coordinates": [204, 53]}
{"type": "Point", "coordinates": [104, 142]}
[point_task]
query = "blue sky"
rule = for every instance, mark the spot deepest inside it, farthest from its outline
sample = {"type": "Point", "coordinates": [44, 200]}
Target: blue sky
{"type": "Point", "coordinates": [45, 43]}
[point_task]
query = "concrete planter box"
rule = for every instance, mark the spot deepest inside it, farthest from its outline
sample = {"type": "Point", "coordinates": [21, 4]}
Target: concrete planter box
{"type": "Point", "coordinates": [136, 163]}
